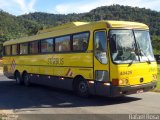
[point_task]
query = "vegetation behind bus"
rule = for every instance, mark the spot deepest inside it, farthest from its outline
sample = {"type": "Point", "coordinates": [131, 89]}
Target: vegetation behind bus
{"type": "Point", "coordinates": [158, 85]}
{"type": "Point", "coordinates": [14, 27]}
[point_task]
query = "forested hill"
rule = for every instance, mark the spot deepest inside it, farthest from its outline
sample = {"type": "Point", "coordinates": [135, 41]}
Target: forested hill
{"type": "Point", "coordinates": [115, 12]}
{"type": "Point", "coordinates": [13, 27]}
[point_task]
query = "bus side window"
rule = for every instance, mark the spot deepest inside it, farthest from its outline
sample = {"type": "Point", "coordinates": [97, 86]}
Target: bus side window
{"type": "Point", "coordinates": [80, 41]}
{"type": "Point", "coordinates": [63, 44]}
{"type": "Point", "coordinates": [7, 50]}
{"type": "Point", "coordinates": [24, 48]}
{"type": "Point", "coordinates": [47, 45]}
{"type": "Point", "coordinates": [100, 46]}
{"type": "Point", "coordinates": [14, 49]}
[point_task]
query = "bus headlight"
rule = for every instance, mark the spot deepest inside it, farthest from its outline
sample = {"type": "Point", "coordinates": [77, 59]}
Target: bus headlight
{"type": "Point", "coordinates": [154, 77]}
{"type": "Point", "coordinates": [117, 82]}
{"type": "Point", "coordinates": [123, 82]}
{"type": "Point", "coordinates": [126, 81]}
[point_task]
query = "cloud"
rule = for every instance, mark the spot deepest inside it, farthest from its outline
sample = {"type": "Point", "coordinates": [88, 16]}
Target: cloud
{"type": "Point", "coordinates": [25, 7]}
{"type": "Point", "coordinates": [18, 7]}
{"type": "Point", "coordinates": [80, 7]}
{"type": "Point", "coordinates": [4, 4]}
{"type": "Point", "coordinates": [31, 4]}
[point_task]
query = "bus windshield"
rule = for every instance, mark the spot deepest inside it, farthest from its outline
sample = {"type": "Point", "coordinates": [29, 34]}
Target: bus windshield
{"type": "Point", "coordinates": [129, 46]}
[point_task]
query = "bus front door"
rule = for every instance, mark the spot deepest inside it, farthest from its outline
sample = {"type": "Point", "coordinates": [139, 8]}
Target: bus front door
{"type": "Point", "coordinates": [101, 63]}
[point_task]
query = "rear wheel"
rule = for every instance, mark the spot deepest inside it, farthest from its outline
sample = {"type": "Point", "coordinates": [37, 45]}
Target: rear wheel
{"type": "Point", "coordinates": [26, 79]}
{"type": "Point", "coordinates": [18, 78]}
{"type": "Point", "coordinates": [82, 88]}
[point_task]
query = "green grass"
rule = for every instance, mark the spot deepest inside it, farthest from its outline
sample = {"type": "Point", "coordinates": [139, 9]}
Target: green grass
{"type": "Point", "coordinates": [158, 84]}
{"type": "Point", "coordinates": [157, 89]}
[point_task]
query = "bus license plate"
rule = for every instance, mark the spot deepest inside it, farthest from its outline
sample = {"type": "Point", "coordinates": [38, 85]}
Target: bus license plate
{"type": "Point", "coordinates": [140, 91]}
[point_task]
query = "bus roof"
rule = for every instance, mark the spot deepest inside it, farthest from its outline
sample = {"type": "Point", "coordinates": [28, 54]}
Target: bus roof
{"type": "Point", "coordinates": [127, 24]}
{"type": "Point", "coordinates": [67, 25]}
{"type": "Point", "coordinates": [47, 33]}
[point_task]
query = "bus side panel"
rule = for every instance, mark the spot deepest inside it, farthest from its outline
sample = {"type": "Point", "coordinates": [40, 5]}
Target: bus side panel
{"type": "Point", "coordinates": [8, 67]}
{"type": "Point", "coordinates": [56, 70]}
{"type": "Point", "coordinates": [53, 81]}
{"type": "Point", "coordinates": [56, 65]}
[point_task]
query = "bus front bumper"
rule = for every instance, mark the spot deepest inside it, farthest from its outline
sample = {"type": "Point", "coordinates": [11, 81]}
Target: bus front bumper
{"type": "Point", "coordinates": [119, 91]}
{"type": "Point", "coordinates": [116, 91]}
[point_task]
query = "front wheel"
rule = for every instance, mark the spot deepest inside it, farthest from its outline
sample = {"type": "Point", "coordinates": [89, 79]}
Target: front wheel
{"type": "Point", "coordinates": [82, 88]}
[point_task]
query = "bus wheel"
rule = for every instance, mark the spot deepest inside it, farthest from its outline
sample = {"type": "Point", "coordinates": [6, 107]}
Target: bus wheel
{"type": "Point", "coordinates": [82, 88]}
{"type": "Point", "coordinates": [26, 79]}
{"type": "Point", "coordinates": [18, 78]}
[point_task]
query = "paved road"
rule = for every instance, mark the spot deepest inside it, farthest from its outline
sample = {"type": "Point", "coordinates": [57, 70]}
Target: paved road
{"type": "Point", "coordinates": [43, 100]}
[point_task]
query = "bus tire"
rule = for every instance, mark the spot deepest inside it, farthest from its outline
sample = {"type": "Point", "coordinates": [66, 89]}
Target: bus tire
{"type": "Point", "coordinates": [26, 79]}
{"type": "Point", "coordinates": [18, 78]}
{"type": "Point", "coordinates": [82, 88]}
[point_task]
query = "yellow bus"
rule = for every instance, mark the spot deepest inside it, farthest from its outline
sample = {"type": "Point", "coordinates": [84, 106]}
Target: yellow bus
{"type": "Point", "coordinates": [107, 58]}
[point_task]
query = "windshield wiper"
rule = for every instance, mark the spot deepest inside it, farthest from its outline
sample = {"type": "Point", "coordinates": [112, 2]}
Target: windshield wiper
{"type": "Point", "coordinates": [140, 52]}
{"type": "Point", "coordinates": [134, 53]}
{"type": "Point", "coordinates": [132, 56]}
{"type": "Point", "coordinates": [148, 60]}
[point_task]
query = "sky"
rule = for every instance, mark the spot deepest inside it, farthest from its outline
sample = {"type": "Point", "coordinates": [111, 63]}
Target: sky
{"type": "Point", "coordinates": [19, 7]}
